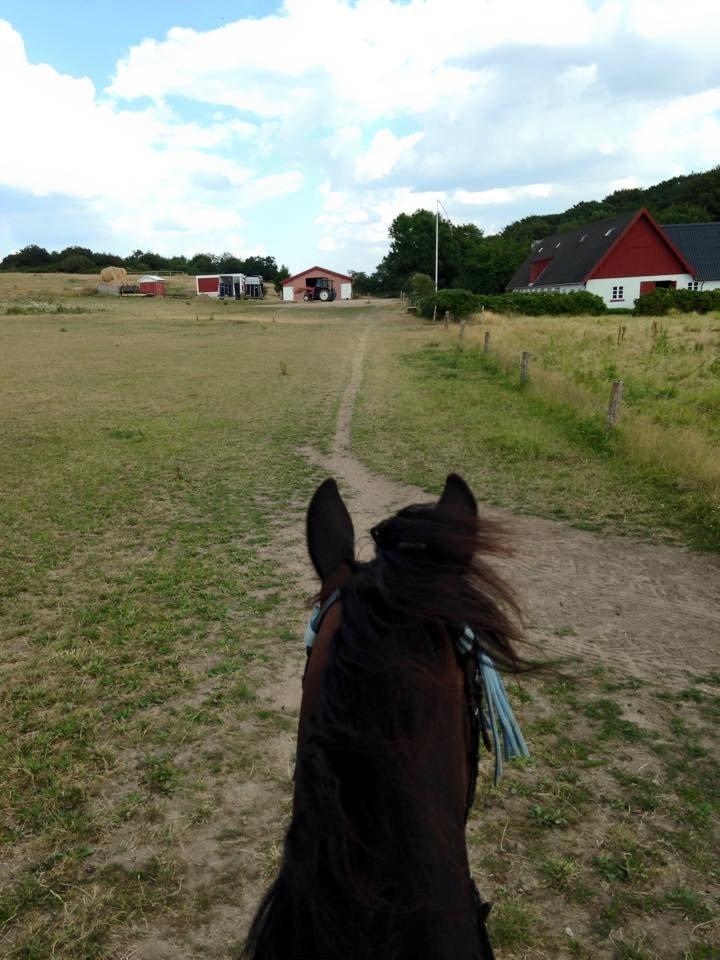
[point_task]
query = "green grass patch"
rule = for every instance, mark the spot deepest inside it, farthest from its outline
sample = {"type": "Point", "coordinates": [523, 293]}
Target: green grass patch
{"type": "Point", "coordinates": [532, 451]}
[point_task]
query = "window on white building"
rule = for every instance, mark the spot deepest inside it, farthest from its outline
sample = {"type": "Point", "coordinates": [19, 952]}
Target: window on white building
{"type": "Point", "coordinates": [618, 293]}
{"type": "Point", "coordinates": [693, 285]}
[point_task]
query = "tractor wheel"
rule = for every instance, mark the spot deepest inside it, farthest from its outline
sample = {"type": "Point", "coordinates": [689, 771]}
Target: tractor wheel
{"type": "Point", "coordinates": [324, 295]}
{"type": "Point", "coordinates": [306, 297]}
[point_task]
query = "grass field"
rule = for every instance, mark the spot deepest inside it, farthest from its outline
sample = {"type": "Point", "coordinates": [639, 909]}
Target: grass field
{"type": "Point", "coordinates": [543, 448]}
{"type": "Point", "coordinates": [148, 463]}
{"type": "Point", "coordinates": [149, 606]}
{"type": "Point", "coordinates": [614, 823]}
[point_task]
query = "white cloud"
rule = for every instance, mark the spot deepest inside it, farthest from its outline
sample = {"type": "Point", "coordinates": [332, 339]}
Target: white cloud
{"type": "Point", "coordinates": [384, 154]}
{"type": "Point", "coordinates": [385, 58]}
{"type": "Point", "coordinates": [499, 108]}
{"type": "Point", "coordinates": [500, 194]}
{"type": "Point", "coordinates": [138, 168]}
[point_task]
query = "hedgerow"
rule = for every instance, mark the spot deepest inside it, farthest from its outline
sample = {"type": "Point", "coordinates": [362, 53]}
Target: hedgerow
{"type": "Point", "coordinates": [461, 303]}
{"type": "Point", "coordinates": [660, 302]}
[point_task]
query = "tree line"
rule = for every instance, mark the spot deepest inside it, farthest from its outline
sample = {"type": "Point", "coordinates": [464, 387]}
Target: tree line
{"type": "Point", "coordinates": [36, 259]}
{"type": "Point", "coordinates": [469, 260]}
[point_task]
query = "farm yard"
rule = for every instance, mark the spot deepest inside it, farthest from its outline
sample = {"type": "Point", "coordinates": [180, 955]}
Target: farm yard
{"type": "Point", "coordinates": [157, 459]}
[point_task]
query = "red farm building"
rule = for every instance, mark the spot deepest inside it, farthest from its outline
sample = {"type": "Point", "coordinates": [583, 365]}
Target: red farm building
{"type": "Point", "coordinates": [619, 259]}
{"type": "Point", "coordinates": [220, 285]}
{"type": "Point", "coordinates": [152, 286]}
{"type": "Point", "coordinates": [317, 283]}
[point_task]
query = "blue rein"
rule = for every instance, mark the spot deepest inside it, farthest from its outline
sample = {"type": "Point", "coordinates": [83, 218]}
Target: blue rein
{"type": "Point", "coordinates": [508, 741]}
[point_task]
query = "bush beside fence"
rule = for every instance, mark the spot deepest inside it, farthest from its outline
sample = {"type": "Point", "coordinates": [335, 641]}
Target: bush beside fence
{"type": "Point", "coordinates": [661, 302]}
{"type": "Point", "coordinates": [462, 303]}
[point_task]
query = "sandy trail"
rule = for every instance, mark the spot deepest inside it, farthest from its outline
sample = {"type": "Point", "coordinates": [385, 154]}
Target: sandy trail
{"type": "Point", "coordinates": [652, 611]}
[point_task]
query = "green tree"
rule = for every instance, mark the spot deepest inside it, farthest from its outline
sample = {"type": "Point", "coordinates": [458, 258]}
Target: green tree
{"type": "Point", "coordinates": [29, 257]}
{"type": "Point", "coordinates": [203, 263]}
{"type": "Point", "coordinates": [282, 274]}
{"type": "Point", "coordinates": [412, 250]}
{"type": "Point", "coordinates": [265, 267]}
{"type": "Point", "coordinates": [421, 287]}
{"type": "Point", "coordinates": [76, 263]}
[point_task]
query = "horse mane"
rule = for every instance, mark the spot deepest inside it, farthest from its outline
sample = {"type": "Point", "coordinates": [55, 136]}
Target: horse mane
{"type": "Point", "coordinates": [372, 865]}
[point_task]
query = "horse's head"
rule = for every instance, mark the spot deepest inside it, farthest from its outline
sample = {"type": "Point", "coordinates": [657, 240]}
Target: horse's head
{"type": "Point", "coordinates": [419, 544]}
{"type": "Point", "coordinates": [375, 862]}
{"type": "Point", "coordinates": [450, 529]}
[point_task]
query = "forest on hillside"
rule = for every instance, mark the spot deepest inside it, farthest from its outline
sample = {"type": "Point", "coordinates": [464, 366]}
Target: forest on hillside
{"type": "Point", "coordinates": [484, 264]}
{"type": "Point", "coordinates": [467, 258]}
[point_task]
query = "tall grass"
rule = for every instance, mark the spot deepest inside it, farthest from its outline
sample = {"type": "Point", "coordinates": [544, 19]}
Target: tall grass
{"type": "Point", "coordinates": [671, 407]}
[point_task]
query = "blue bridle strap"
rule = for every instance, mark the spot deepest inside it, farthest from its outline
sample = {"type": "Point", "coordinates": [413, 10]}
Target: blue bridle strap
{"type": "Point", "coordinates": [317, 617]}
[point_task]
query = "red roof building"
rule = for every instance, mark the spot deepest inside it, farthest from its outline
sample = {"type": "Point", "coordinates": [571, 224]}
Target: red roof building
{"type": "Point", "coordinates": [618, 259]}
{"type": "Point", "coordinates": [301, 286]}
{"type": "Point", "coordinates": [152, 286]}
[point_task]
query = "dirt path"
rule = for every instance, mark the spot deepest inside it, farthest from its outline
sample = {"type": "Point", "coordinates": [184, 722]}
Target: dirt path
{"type": "Point", "coordinates": [653, 611]}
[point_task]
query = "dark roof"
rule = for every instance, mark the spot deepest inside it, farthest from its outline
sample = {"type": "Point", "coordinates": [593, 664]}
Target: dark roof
{"type": "Point", "coordinates": [700, 244]}
{"type": "Point", "coordinates": [321, 270]}
{"type": "Point", "coordinates": [574, 254]}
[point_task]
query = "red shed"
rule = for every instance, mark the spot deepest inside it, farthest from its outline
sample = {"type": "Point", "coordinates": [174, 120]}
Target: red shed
{"type": "Point", "coordinates": [152, 286]}
{"type": "Point", "coordinates": [297, 286]}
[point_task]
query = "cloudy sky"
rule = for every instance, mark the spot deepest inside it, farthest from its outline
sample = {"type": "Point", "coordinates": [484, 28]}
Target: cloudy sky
{"type": "Point", "coordinates": [301, 128]}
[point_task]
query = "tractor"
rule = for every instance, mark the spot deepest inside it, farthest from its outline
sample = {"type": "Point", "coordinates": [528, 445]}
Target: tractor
{"type": "Point", "coordinates": [319, 288]}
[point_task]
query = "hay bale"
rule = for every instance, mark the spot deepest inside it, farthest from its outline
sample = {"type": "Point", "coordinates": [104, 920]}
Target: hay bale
{"type": "Point", "coordinates": [113, 275]}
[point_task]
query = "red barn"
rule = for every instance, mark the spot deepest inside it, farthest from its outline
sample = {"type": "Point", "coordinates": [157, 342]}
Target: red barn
{"type": "Point", "coordinates": [619, 259]}
{"type": "Point", "coordinates": [152, 286]}
{"type": "Point", "coordinates": [301, 285]}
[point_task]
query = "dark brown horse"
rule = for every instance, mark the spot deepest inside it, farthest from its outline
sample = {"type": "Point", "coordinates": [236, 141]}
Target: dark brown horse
{"type": "Point", "coordinates": [375, 863]}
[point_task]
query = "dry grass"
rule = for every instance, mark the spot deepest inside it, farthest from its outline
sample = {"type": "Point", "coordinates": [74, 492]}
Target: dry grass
{"type": "Point", "coordinates": [50, 286]}
{"type": "Point", "coordinates": [150, 609]}
{"type": "Point", "coordinates": [671, 371]}
{"type": "Point", "coordinates": [149, 474]}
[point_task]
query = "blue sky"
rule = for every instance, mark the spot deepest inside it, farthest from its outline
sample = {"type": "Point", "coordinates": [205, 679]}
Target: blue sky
{"type": "Point", "coordinates": [191, 126]}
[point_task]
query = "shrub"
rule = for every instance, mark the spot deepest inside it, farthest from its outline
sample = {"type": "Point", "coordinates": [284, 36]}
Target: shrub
{"type": "Point", "coordinates": [420, 288]}
{"type": "Point", "coordinates": [461, 303]}
{"type": "Point", "coordinates": [660, 302]}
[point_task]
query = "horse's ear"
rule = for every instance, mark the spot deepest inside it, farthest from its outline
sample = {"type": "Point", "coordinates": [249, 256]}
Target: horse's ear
{"type": "Point", "coordinates": [330, 533]}
{"type": "Point", "coordinates": [457, 496]}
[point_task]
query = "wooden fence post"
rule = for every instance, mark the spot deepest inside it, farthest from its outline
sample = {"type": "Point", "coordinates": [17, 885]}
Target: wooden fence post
{"type": "Point", "coordinates": [462, 328]}
{"type": "Point", "coordinates": [525, 367]}
{"type": "Point", "coordinates": [486, 343]}
{"type": "Point", "coordinates": [447, 319]}
{"type": "Point", "coordinates": [613, 413]}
